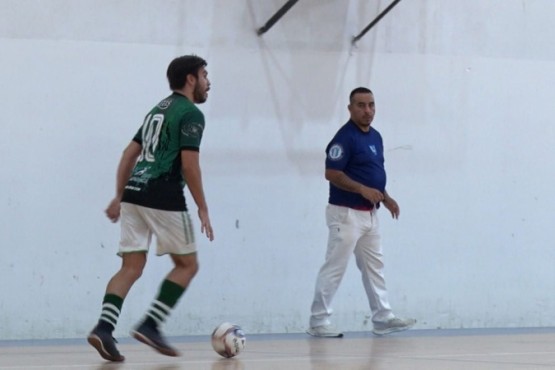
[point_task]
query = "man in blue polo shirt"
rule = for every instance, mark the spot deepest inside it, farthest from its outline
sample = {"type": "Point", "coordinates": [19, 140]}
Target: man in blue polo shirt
{"type": "Point", "coordinates": [356, 173]}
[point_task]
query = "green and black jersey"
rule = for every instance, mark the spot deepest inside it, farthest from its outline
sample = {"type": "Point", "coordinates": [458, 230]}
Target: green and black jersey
{"type": "Point", "coordinates": [156, 182]}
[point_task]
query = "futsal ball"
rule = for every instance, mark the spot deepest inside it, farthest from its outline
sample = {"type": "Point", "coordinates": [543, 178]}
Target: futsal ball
{"type": "Point", "coordinates": [228, 340]}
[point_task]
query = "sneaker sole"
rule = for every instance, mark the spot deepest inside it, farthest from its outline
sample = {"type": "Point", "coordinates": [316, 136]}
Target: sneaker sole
{"type": "Point", "coordinates": [165, 351]}
{"type": "Point", "coordinates": [391, 330]}
{"type": "Point", "coordinates": [338, 335]}
{"type": "Point", "coordinates": [96, 342]}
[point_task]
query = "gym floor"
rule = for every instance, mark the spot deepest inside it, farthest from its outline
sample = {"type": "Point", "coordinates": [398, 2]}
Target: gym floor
{"type": "Point", "coordinates": [465, 349]}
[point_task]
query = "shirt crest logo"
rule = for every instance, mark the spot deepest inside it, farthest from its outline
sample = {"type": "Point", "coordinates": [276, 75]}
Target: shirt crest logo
{"type": "Point", "coordinates": [165, 103]}
{"type": "Point", "coordinates": [373, 149]}
{"type": "Point", "coordinates": [193, 130]}
{"type": "Point", "coordinates": [336, 152]}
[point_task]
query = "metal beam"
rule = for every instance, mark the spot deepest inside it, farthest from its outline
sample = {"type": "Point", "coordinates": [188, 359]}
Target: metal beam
{"type": "Point", "coordinates": [288, 5]}
{"type": "Point", "coordinates": [376, 20]}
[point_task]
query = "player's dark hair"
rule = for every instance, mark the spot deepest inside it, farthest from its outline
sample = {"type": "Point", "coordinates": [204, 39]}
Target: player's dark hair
{"type": "Point", "coordinates": [182, 66]}
{"type": "Point", "coordinates": [359, 90]}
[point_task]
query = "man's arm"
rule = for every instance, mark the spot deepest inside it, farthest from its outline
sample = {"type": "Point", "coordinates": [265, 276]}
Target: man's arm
{"type": "Point", "coordinates": [391, 205]}
{"type": "Point", "coordinates": [125, 167]}
{"type": "Point", "coordinates": [190, 167]}
{"type": "Point", "coordinates": [342, 181]}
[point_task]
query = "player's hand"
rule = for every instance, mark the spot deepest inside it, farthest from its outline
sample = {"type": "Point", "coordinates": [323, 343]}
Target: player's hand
{"type": "Point", "coordinates": [113, 210]}
{"type": "Point", "coordinates": [373, 195]}
{"type": "Point", "coordinates": [392, 206]}
{"type": "Point", "coordinates": [205, 226]}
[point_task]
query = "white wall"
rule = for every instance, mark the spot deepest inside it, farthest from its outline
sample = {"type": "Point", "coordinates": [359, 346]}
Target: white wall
{"type": "Point", "coordinates": [463, 90]}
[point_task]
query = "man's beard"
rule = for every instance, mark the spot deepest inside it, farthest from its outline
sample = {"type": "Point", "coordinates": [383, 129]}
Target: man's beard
{"type": "Point", "coordinates": [198, 96]}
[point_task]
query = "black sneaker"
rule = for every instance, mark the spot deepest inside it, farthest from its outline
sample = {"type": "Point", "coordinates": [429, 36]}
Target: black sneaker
{"type": "Point", "coordinates": [150, 335]}
{"type": "Point", "coordinates": [105, 344]}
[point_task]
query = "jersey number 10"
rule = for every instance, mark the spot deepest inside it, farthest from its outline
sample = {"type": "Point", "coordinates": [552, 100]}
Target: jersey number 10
{"type": "Point", "coordinates": [151, 134]}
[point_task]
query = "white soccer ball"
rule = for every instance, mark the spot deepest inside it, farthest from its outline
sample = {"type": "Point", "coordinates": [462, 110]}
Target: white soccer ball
{"type": "Point", "coordinates": [228, 340]}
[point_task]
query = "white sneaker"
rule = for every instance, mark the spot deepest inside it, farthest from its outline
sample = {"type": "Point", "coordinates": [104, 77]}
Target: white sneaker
{"type": "Point", "coordinates": [324, 331]}
{"type": "Point", "coordinates": [393, 325]}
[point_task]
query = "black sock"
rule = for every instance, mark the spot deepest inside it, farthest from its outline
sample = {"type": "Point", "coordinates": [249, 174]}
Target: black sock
{"type": "Point", "coordinates": [160, 308]}
{"type": "Point", "coordinates": [111, 309]}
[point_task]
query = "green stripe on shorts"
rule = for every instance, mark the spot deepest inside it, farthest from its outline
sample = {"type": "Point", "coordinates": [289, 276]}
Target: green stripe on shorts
{"type": "Point", "coordinates": [187, 228]}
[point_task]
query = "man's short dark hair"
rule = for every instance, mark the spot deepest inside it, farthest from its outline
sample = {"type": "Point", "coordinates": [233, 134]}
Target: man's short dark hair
{"type": "Point", "coordinates": [359, 90]}
{"type": "Point", "coordinates": [182, 66]}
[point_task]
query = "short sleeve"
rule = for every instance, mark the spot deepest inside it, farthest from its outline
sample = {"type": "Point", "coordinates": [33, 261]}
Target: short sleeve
{"type": "Point", "coordinates": [337, 154]}
{"type": "Point", "coordinates": [192, 127]}
{"type": "Point", "coordinates": [138, 138]}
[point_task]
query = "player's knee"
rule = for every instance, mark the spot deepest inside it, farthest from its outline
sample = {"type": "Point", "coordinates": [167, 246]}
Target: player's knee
{"type": "Point", "coordinates": [190, 266]}
{"type": "Point", "coordinates": [133, 272]}
{"type": "Point", "coordinates": [195, 268]}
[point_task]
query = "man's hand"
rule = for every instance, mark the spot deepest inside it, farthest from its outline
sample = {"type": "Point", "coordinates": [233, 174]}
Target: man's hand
{"type": "Point", "coordinates": [206, 227]}
{"type": "Point", "coordinates": [113, 210]}
{"type": "Point", "coordinates": [373, 195]}
{"type": "Point", "coordinates": [392, 206]}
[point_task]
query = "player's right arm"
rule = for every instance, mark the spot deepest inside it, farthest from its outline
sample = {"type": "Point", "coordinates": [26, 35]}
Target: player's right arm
{"type": "Point", "coordinates": [344, 182]}
{"type": "Point", "coordinates": [125, 167]}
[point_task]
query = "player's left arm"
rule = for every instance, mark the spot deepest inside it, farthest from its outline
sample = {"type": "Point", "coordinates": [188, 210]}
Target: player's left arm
{"type": "Point", "coordinates": [190, 168]}
{"type": "Point", "coordinates": [192, 128]}
{"type": "Point", "coordinates": [391, 205]}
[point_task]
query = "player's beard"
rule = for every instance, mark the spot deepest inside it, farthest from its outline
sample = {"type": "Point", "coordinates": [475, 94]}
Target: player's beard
{"type": "Point", "coordinates": [199, 95]}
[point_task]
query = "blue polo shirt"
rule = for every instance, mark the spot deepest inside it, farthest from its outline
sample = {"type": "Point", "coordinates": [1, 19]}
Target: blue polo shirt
{"type": "Point", "coordinates": [359, 155]}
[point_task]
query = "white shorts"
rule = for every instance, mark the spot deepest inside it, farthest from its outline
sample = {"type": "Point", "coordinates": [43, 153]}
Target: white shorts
{"type": "Point", "coordinates": [173, 230]}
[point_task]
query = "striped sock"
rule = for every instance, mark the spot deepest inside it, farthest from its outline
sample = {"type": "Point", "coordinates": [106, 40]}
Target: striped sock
{"type": "Point", "coordinates": [161, 307]}
{"type": "Point", "coordinates": [111, 309]}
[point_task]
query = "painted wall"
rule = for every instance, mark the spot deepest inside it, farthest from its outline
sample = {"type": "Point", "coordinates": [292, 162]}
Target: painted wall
{"type": "Point", "coordinates": [464, 94]}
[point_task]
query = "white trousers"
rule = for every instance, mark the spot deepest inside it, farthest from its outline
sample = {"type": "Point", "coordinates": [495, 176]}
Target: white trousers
{"type": "Point", "coordinates": [351, 231]}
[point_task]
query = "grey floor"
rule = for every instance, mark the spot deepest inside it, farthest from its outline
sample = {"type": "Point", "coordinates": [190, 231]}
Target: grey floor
{"type": "Point", "coordinates": [489, 349]}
